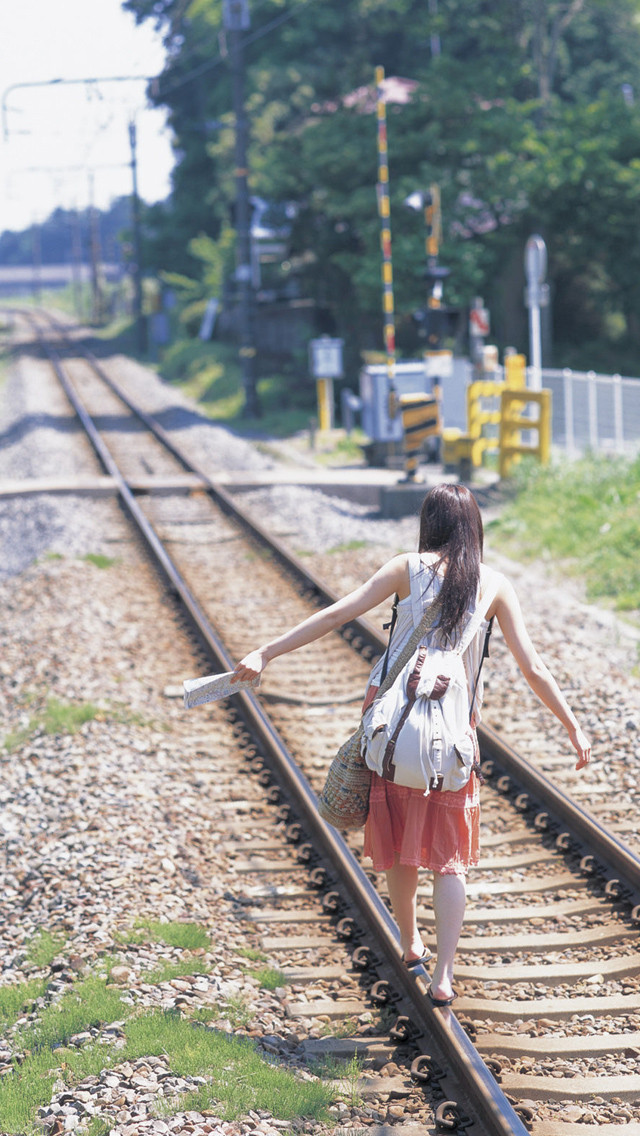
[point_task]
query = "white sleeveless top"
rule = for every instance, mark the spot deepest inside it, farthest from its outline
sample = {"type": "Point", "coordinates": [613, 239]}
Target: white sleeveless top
{"type": "Point", "coordinates": [425, 585]}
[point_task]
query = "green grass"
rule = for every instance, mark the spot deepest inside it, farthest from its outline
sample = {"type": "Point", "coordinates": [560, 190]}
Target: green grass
{"type": "Point", "coordinates": [44, 947]}
{"type": "Point", "coordinates": [340, 449]}
{"type": "Point", "coordinates": [67, 717]}
{"type": "Point", "coordinates": [125, 938]}
{"type": "Point", "coordinates": [99, 1127]}
{"type": "Point", "coordinates": [349, 546]}
{"type": "Point", "coordinates": [209, 373]}
{"type": "Point", "coordinates": [88, 1003]}
{"type": "Point", "coordinates": [57, 718]}
{"type": "Point", "coordinates": [252, 954]}
{"type": "Point", "coordinates": [237, 1009]}
{"type": "Point", "coordinates": [269, 978]}
{"type": "Point", "coordinates": [205, 1014]}
{"type": "Point", "coordinates": [25, 1091]}
{"type": "Point", "coordinates": [240, 1078]}
{"type": "Point", "coordinates": [345, 1072]}
{"type": "Point", "coordinates": [344, 1028]}
{"type": "Point", "coordinates": [22, 1093]}
{"type": "Point", "coordinates": [14, 998]}
{"type": "Point", "coordinates": [584, 514]}
{"type": "Point", "coordinates": [187, 936]}
{"type": "Point", "coordinates": [99, 560]}
{"type": "Point", "coordinates": [168, 970]}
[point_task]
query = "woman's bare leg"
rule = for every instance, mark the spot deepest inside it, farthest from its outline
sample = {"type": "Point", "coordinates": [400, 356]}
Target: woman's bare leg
{"type": "Point", "coordinates": [449, 897]}
{"type": "Point", "coordinates": [402, 884]}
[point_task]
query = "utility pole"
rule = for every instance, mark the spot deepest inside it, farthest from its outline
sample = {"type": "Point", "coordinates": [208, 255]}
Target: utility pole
{"type": "Point", "coordinates": [95, 255]}
{"type": "Point", "coordinates": [236, 21]}
{"type": "Point", "coordinates": [36, 256]}
{"type": "Point", "coordinates": [76, 261]}
{"type": "Point", "coordinates": [435, 38]}
{"type": "Point", "coordinates": [141, 331]}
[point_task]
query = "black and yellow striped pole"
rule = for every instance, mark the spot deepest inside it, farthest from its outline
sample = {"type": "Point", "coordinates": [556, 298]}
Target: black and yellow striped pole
{"type": "Point", "coordinates": [384, 212]}
{"type": "Point", "coordinates": [420, 420]}
{"type": "Point", "coordinates": [421, 412]}
{"type": "Point", "coordinates": [433, 224]}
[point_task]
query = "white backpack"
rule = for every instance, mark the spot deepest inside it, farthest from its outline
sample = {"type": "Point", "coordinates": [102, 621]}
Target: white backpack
{"type": "Point", "coordinates": [418, 732]}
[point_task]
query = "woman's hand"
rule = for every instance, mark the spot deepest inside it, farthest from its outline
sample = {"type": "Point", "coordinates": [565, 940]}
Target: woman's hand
{"type": "Point", "coordinates": [582, 746]}
{"type": "Point", "coordinates": [248, 668]}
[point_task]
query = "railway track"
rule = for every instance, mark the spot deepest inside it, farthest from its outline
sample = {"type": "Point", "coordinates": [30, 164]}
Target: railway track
{"type": "Point", "coordinates": [548, 1022]}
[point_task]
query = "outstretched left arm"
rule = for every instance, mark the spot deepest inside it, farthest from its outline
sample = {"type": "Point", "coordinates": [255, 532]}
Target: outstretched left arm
{"type": "Point", "coordinates": [509, 614]}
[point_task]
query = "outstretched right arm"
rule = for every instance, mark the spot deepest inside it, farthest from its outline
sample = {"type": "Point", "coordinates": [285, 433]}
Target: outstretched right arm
{"type": "Point", "coordinates": [391, 578]}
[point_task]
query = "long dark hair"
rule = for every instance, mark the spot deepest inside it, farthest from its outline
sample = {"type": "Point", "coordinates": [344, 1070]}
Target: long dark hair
{"type": "Point", "coordinates": [451, 526]}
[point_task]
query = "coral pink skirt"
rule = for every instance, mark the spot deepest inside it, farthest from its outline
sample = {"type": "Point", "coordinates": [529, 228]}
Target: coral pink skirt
{"type": "Point", "coordinates": [440, 832]}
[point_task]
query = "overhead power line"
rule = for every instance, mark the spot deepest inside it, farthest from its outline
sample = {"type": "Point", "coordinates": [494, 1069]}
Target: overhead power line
{"type": "Point", "coordinates": [86, 81]}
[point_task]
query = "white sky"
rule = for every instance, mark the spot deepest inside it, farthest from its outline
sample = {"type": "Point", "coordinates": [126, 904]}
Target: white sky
{"type": "Point", "coordinates": [57, 135]}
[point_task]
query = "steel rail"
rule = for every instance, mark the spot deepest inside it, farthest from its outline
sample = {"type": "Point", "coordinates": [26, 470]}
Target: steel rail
{"type": "Point", "coordinates": [484, 1094]}
{"type": "Point", "coordinates": [362, 627]}
{"type": "Point", "coordinates": [613, 854]}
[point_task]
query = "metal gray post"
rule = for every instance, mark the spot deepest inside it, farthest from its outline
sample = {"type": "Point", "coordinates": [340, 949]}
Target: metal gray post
{"type": "Point", "coordinates": [36, 259]}
{"type": "Point", "coordinates": [536, 296]}
{"type": "Point", "coordinates": [569, 433]}
{"type": "Point", "coordinates": [76, 262]}
{"type": "Point", "coordinates": [95, 254]}
{"type": "Point", "coordinates": [618, 419]}
{"type": "Point", "coordinates": [593, 410]}
{"type": "Point", "coordinates": [141, 336]}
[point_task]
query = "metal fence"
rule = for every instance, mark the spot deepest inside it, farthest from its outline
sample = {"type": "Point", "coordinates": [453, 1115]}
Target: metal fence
{"type": "Point", "coordinates": [594, 412]}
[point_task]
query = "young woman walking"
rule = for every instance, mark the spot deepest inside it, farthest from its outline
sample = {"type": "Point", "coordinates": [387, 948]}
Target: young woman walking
{"type": "Point", "coordinates": [405, 830]}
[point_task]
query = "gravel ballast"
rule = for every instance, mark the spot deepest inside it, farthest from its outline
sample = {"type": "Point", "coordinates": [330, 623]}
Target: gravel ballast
{"type": "Point", "coordinates": [97, 823]}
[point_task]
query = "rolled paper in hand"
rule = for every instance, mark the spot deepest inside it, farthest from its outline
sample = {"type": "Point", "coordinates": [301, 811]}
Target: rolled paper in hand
{"type": "Point", "coordinates": [212, 687]}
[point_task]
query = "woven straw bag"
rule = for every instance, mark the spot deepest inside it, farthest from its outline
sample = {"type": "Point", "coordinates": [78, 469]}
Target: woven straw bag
{"type": "Point", "coordinates": [344, 800]}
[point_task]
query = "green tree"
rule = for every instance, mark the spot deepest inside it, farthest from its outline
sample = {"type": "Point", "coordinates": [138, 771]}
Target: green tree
{"type": "Point", "coordinates": [520, 119]}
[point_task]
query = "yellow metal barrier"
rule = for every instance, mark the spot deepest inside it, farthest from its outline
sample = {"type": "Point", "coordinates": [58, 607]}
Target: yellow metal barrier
{"type": "Point", "coordinates": [420, 420]}
{"type": "Point", "coordinates": [478, 416]}
{"type": "Point", "coordinates": [513, 404]}
{"type": "Point", "coordinates": [465, 451]}
{"type": "Point", "coordinates": [515, 372]}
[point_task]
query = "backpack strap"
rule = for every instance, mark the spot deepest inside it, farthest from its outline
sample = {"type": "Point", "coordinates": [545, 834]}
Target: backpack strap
{"type": "Point", "coordinates": [412, 687]}
{"type": "Point", "coordinates": [390, 627]}
{"type": "Point", "coordinates": [428, 616]}
{"type": "Point", "coordinates": [416, 568]}
{"type": "Point", "coordinates": [484, 655]}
